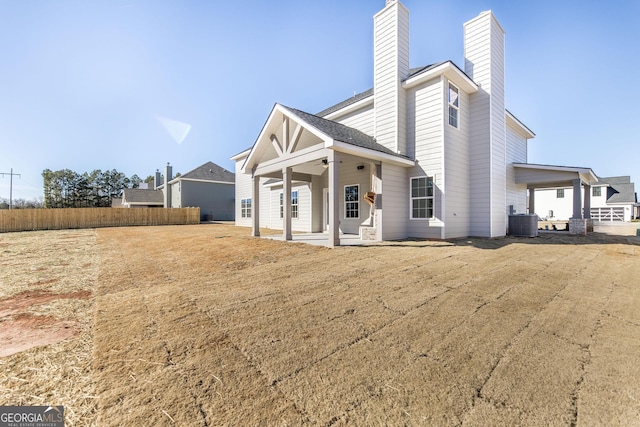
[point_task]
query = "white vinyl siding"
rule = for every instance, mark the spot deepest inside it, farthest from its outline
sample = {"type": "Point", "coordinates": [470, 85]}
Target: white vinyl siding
{"type": "Point", "coordinates": [361, 119]}
{"type": "Point", "coordinates": [351, 175]}
{"type": "Point", "coordinates": [391, 66]}
{"type": "Point", "coordinates": [426, 106]}
{"type": "Point", "coordinates": [271, 208]}
{"type": "Point", "coordinates": [242, 191]}
{"type": "Point", "coordinates": [516, 153]}
{"type": "Point", "coordinates": [395, 211]}
{"type": "Point", "coordinates": [484, 63]}
{"type": "Point", "coordinates": [456, 191]}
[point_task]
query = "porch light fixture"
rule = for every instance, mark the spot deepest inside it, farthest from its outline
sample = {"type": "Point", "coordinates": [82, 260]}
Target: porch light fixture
{"type": "Point", "coordinates": [360, 167]}
{"type": "Point", "coordinates": [325, 163]}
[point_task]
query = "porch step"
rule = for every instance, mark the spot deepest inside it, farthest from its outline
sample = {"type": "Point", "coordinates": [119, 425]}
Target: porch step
{"type": "Point", "coordinates": [367, 232]}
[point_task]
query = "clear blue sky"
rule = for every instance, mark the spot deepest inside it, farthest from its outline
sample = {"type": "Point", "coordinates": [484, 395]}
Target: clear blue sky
{"type": "Point", "coordinates": [90, 85]}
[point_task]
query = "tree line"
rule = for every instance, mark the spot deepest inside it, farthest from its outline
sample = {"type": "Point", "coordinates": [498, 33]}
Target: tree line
{"type": "Point", "coordinates": [68, 189]}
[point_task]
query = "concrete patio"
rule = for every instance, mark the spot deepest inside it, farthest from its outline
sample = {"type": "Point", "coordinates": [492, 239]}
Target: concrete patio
{"type": "Point", "coordinates": [322, 239]}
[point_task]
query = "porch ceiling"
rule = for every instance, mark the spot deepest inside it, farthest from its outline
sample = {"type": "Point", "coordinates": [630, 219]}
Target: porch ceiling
{"type": "Point", "coordinates": [547, 176]}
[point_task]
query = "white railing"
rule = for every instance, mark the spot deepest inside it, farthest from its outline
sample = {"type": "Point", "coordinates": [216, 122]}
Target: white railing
{"type": "Point", "coordinates": [607, 214]}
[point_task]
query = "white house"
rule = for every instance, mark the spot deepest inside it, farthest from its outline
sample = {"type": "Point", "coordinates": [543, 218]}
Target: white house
{"type": "Point", "coordinates": [432, 148]}
{"type": "Point", "coordinates": [611, 199]}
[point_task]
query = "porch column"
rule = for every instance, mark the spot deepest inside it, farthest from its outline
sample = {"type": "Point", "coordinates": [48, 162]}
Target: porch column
{"type": "Point", "coordinates": [532, 201]}
{"type": "Point", "coordinates": [577, 199]}
{"type": "Point", "coordinates": [334, 199]}
{"type": "Point", "coordinates": [286, 203]}
{"type": "Point", "coordinates": [255, 206]}
{"type": "Point", "coordinates": [587, 202]}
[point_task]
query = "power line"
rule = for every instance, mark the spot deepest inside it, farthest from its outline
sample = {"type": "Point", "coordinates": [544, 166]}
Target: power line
{"type": "Point", "coordinates": [11, 174]}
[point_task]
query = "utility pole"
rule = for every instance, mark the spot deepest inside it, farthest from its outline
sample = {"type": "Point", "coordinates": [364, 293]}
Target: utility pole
{"type": "Point", "coordinates": [11, 174]}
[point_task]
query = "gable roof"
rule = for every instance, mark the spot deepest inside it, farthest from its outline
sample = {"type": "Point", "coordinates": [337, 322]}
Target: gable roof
{"type": "Point", "coordinates": [340, 105]}
{"type": "Point", "coordinates": [622, 193]}
{"type": "Point", "coordinates": [141, 196]}
{"type": "Point", "coordinates": [621, 189]}
{"type": "Point", "coordinates": [413, 72]}
{"type": "Point", "coordinates": [209, 172]}
{"type": "Point", "coordinates": [343, 133]}
{"type": "Point", "coordinates": [616, 180]}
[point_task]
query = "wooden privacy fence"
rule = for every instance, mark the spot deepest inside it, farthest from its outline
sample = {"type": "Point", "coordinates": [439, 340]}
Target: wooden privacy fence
{"type": "Point", "coordinates": [58, 219]}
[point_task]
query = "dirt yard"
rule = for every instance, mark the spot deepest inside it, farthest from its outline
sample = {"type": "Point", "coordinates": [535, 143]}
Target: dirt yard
{"type": "Point", "coordinates": [203, 325]}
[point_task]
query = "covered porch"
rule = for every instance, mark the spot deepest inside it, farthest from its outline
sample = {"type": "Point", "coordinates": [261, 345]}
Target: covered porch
{"type": "Point", "coordinates": [547, 176]}
{"type": "Point", "coordinates": [322, 239]}
{"type": "Point", "coordinates": [338, 170]}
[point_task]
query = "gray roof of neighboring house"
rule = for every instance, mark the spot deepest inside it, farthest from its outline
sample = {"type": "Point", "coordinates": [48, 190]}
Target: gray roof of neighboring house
{"type": "Point", "coordinates": [620, 190]}
{"type": "Point", "coordinates": [616, 180]}
{"type": "Point", "coordinates": [210, 172]}
{"type": "Point", "coordinates": [137, 195]}
{"type": "Point", "coordinates": [343, 133]}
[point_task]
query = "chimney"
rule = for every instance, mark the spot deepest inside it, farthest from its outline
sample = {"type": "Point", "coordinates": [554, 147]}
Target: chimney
{"type": "Point", "coordinates": [484, 63]}
{"type": "Point", "coordinates": [156, 180]}
{"type": "Point", "coordinates": [391, 67]}
{"type": "Point", "coordinates": [167, 188]}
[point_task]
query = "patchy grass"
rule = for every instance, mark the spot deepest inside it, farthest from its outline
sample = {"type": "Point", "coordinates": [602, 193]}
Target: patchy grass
{"type": "Point", "coordinates": [203, 325]}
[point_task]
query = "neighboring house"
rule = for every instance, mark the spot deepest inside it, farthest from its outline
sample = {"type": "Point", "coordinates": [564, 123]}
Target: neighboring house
{"type": "Point", "coordinates": [611, 199]}
{"type": "Point", "coordinates": [428, 152]}
{"type": "Point", "coordinates": [141, 198]}
{"type": "Point", "coordinates": [209, 187]}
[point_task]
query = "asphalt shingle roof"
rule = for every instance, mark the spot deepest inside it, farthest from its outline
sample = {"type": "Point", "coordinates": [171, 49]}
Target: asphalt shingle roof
{"type": "Point", "coordinates": [343, 133]}
{"type": "Point", "coordinates": [210, 172]}
{"type": "Point", "coordinates": [355, 98]}
{"type": "Point", "coordinates": [137, 195]}
{"type": "Point", "coordinates": [367, 93]}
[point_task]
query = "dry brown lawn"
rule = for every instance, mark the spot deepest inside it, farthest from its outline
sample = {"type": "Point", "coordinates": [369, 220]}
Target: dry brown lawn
{"type": "Point", "coordinates": [203, 325]}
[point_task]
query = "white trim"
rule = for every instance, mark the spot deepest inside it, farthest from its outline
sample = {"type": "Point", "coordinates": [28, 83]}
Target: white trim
{"type": "Point", "coordinates": [370, 154]}
{"type": "Point", "coordinates": [344, 192]}
{"type": "Point", "coordinates": [432, 197]}
{"type": "Point", "coordinates": [175, 180]}
{"type": "Point", "coordinates": [447, 69]}
{"type": "Point", "coordinates": [364, 102]}
{"type": "Point", "coordinates": [239, 156]}
{"type": "Point", "coordinates": [246, 211]}
{"type": "Point", "coordinates": [297, 205]}
{"type": "Point", "coordinates": [586, 174]}
{"type": "Point", "coordinates": [519, 127]}
{"type": "Point", "coordinates": [450, 105]}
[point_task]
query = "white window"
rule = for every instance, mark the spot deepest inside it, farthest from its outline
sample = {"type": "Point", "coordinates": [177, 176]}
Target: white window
{"type": "Point", "coordinates": [422, 197]}
{"type": "Point", "coordinates": [351, 201]}
{"type": "Point", "coordinates": [294, 204]}
{"type": "Point", "coordinates": [560, 193]}
{"type": "Point", "coordinates": [454, 105]}
{"type": "Point", "coordinates": [245, 208]}
{"type": "Point", "coordinates": [597, 191]}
